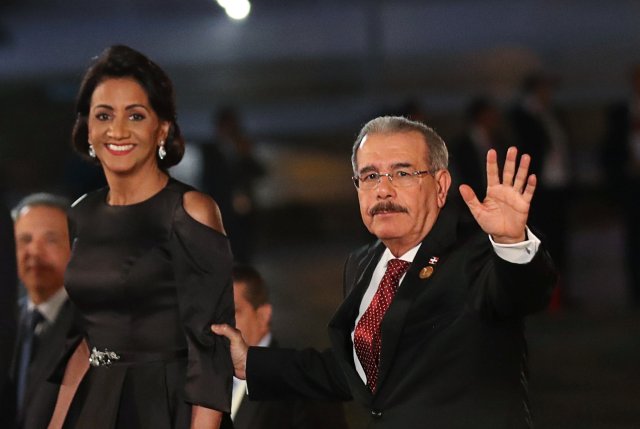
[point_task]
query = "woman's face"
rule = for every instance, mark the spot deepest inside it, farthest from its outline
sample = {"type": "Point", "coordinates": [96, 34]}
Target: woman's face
{"type": "Point", "coordinates": [123, 128]}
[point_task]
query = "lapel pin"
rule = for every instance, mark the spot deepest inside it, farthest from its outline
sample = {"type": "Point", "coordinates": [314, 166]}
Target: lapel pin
{"type": "Point", "coordinates": [427, 271]}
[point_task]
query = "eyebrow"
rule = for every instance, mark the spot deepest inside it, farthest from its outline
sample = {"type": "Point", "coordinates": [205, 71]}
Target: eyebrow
{"type": "Point", "coordinates": [397, 165]}
{"type": "Point", "coordinates": [129, 107]}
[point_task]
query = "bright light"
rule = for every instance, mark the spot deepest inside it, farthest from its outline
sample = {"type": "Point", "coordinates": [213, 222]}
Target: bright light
{"type": "Point", "coordinates": [236, 9]}
{"type": "Point", "coordinates": [225, 3]}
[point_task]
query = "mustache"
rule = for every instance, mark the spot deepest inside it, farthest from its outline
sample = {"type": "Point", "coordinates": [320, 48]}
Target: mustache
{"type": "Point", "coordinates": [387, 206]}
{"type": "Point", "coordinates": [39, 266]}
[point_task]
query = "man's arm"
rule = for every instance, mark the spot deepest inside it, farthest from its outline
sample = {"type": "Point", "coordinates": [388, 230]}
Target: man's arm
{"type": "Point", "coordinates": [275, 373]}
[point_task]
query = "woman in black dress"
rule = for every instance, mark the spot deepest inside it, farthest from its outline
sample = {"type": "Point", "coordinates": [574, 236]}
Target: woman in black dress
{"type": "Point", "coordinates": [150, 269]}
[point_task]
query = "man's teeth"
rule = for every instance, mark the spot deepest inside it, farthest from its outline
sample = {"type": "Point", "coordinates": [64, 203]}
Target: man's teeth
{"type": "Point", "coordinates": [120, 147]}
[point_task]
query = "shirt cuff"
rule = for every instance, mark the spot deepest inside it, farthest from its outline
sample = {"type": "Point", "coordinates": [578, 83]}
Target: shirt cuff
{"type": "Point", "coordinates": [518, 253]}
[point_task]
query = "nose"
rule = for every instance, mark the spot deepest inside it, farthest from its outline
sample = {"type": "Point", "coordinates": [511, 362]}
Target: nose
{"type": "Point", "coordinates": [119, 128]}
{"type": "Point", "coordinates": [385, 188]}
{"type": "Point", "coordinates": [34, 249]}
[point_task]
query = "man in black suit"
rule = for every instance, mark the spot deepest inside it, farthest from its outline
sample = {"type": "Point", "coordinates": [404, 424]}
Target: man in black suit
{"type": "Point", "coordinates": [538, 131]}
{"type": "Point", "coordinates": [8, 293]}
{"type": "Point", "coordinates": [445, 348]}
{"type": "Point", "coordinates": [253, 319]}
{"type": "Point", "coordinates": [621, 162]}
{"type": "Point", "coordinates": [45, 313]}
{"type": "Point", "coordinates": [468, 151]}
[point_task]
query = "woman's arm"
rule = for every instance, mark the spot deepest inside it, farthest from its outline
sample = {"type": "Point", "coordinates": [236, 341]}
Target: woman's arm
{"type": "Point", "coordinates": [74, 372]}
{"type": "Point", "coordinates": [205, 418]}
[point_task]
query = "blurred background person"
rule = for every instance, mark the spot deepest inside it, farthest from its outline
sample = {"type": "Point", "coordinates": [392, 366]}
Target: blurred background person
{"type": "Point", "coordinates": [538, 131]}
{"type": "Point", "coordinates": [621, 164]}
{"type": "Point", "coordinates": [468, 152]}
{"type": "Point", "coordinates": [8, 292]}
{"type": "Point", "coordinates": [46, 314]}
{"type": "Point", "coordinates": [230, 172]}
{"type": "Point", "coordinates": [253, 319]}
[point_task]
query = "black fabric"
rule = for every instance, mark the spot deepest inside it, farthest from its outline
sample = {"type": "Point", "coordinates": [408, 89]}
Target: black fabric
{"type": "Point", "coordinates": [40, 394]}
{"type": "Point", "coordinates": [8, 312]}
{"type": "Point", "coordinates": [148, 278]}
{"type": "Point", "coordinates": [289, 414]}
{"type": "Point", "coordinates": [453, 347]}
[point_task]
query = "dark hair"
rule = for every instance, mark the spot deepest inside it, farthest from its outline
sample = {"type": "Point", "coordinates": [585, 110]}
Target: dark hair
{"type": "Point", "coordinates": [536, 79]}
{"type": "Point", "coordinates": [256, 291]}
{"type": "Point", "coordinates": [121, 61]}
{"type": "Point", "coordinates": [478, 106]}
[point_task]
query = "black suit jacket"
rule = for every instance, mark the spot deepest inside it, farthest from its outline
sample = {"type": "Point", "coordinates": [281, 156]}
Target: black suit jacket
{"type": "Point", "coordinates": [40, 394]}
{"type": "Point", "coordinates": [616, 151]}
{"type": "Point", "coordinates": [289, 414]}
{"type": "Point", "coordinates": [8, 313]}
{"type": "Point", "coordinates": [453, 348]}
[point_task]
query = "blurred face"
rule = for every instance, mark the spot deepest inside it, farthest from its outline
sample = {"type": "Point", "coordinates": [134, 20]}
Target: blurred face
{"type": "Point", "coordinates": [252, 322]}
{"type": "Point", "coordinates": [42, 245]}
{"type": "Point", "coordinates": [123, 128]}
{"type": "Point", "coordinates": [400, 217]}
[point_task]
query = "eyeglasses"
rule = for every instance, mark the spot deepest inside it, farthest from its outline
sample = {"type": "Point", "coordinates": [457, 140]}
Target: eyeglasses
{"type": "Point", "coordinates": [399, 179]}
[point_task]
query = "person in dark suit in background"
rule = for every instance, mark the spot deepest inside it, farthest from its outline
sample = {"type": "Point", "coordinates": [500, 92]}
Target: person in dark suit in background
{"type": "Point", "coordinates": [45, 314]}
{"type": "Point", "coordinates": [430, 332]}
{"type": "Point", "coordinates": [230, 172]}
{"type": "Point", "coordinates": [468, 151]}
{"type": "Point", "coordinates": [621, 162]}
{"type": "Point", "coordinates": [253, 319]}
{"type": "Point", "coordinates": [539, 131]}
{"type": "Point", "coordinates": [8, 317]}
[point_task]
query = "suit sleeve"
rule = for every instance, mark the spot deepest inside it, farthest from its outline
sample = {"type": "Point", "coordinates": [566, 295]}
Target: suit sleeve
{"type": "Point", "coordinates": [287, 374]}
{"type": "Point", "coordinates": [502, 289]}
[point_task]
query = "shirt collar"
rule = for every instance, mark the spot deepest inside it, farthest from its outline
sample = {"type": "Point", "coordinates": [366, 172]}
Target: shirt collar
{"type": "Point", "coordinates": [265, 341]}
{"type": "Point", "coordinates": [51, 307]}
{"type": "Point", "coordinates": [408, 256]}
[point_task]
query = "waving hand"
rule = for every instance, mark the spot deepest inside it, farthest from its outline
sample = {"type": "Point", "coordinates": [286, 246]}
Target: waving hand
{"type": "Point", "coordinates": [503, 213]}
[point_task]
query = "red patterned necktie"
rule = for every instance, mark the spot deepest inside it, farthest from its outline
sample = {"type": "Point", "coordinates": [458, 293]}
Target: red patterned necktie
{"type": "Point", "coordinates": [367, 340]}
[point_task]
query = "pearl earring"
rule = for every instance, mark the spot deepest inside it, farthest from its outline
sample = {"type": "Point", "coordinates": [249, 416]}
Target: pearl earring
{"type": "Point", "coordinates": [162, 152]}
{"type": "Point", "coordinates": [92, 151]}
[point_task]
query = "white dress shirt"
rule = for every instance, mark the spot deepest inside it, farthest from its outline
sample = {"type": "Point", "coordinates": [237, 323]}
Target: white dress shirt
{"type": "Point", "coordinates": [240, 386]}
{"type": "Point", "coordinates": [49, 309]}
{"type": "Point", "coordinates": [518, 253]}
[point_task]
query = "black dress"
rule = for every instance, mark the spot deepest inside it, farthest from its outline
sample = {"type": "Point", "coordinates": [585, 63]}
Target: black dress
{"type": "Point", "coordinates": [149, 280]}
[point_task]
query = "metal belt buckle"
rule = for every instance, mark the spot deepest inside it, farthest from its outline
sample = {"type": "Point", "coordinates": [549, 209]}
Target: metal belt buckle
{"type": "Point", "coordinates": [105, 358]}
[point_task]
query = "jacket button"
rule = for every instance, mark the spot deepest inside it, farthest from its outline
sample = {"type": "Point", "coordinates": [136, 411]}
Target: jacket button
{"type": "Point", "coordinates": [376, 414]}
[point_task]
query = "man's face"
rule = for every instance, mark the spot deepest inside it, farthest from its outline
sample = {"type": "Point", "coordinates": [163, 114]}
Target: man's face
{"type": "Point", "coordinates": [400, 217]}
{"type": "Point", "coordinates": [252, 322]}
{"type": "Point", "coordinates": [42, 245]}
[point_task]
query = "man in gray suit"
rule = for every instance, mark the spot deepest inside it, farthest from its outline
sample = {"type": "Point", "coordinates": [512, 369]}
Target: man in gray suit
{"type": "Point", "coordinates": [45, 313]}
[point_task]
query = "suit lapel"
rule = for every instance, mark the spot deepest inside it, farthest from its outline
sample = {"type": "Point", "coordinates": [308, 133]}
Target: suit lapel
{"type": "Point", "coordinates": [49, 343]}
{"type": "Point", "coordinates": [19, 338]}
{"type": "Point", "coordinates": [436, 243]}
{"type": "Point", "coordinates": [341, 324]}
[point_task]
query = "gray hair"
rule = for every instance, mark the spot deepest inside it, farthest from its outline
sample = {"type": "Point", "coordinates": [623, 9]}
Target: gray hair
{"type": "Point", "coordinates": [41, 199]}
{"type": "Point", "coordinates": [438, 156]}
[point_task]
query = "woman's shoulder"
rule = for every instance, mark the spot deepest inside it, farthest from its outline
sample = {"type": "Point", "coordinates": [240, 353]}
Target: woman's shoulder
{"type": "Point", "coordinates": [203, 208]}
{"type": "Point", "coordinates": [199, 206]}
{"type": "Point", "coordinates": [90, 199]}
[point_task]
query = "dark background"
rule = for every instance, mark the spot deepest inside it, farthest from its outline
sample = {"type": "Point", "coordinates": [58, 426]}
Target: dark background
{"type": "Point", "coordinates": [305, 75]}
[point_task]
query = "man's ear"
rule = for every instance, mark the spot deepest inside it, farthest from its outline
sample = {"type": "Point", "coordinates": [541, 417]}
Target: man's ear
{"type": "Point", "coordinates": [443, 182]}
{"type": "Point", "coordinates": [264, 314]}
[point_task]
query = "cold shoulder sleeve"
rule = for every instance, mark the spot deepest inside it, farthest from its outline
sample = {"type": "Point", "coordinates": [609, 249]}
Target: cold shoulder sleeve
{"type": "Point", "coordinates": [202, 264]}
